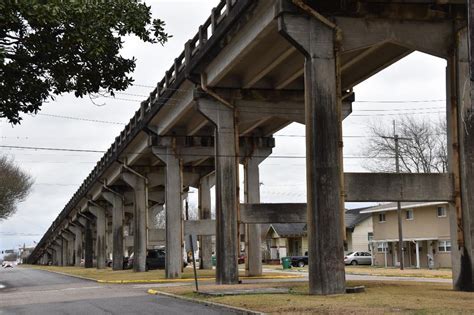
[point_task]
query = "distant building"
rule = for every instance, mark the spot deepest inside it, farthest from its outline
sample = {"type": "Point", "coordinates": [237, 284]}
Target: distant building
{"type": "Point", "coordinates": [291, 239]}
{"type": "Point", "coordinates": [426, 234]}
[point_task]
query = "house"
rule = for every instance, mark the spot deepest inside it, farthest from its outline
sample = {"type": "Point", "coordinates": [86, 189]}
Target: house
{"type": "Point", "coordinates": [291, 239]}
{"type": "Point", "coordinates": [426, 234]}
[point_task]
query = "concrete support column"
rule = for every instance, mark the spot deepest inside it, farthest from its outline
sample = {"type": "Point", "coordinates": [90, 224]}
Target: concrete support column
{"type": "Point", "coordinates": [253, 264]}
{"type": "Point", "coordinates": [88, 244]}
{"type": "Point", "coordinates": [323, 117]}
{"type": "Point", "coordinates": [100, 249]}
{"type": "Point", "coordinates": [460, 125]}
{"type": "Point", "coordinates": [205, 241]}
{"type": "Point", "coordinates": [77, 230]}
{"type": "Point", "coordinates": [69, 238]}
{"type": "Point", "coordinates": [140, 188]}
{"type": "Point", "coordinates": [56, 258]}
{"type": "Point", "coordinates": [174, 211]}
{"type": "Point", "coordinates": [227, 197]}
{"type": "Point", "coordinates": [63, 250]}
{"type": "Point", "coordinates": [116, 201]}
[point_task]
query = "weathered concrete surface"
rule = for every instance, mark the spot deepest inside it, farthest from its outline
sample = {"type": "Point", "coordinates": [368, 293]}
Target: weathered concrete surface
{"type": "Point", "coordinates": [261, 213]}
{"type": "Point", "coordinates": [117, 202]}
{"type": "Point", "coordinates": [398, 187]}
{"type": "Point", "coordinates": [323, 136]}
{"type": "Point", "coordinates": [200, 227]}
{"type": "Point", "coordinates": [100, 247]}
{"type": "Point", "coordinates": [227, 197]}
{"type": "Point", "coordinates": [205, 241]}
{"type": "Point", "coordinates": [140, 188]}
{"type": "Point", "coordinates": [174, 211]}
{"type": "Point", "coordinates": [460, 92]}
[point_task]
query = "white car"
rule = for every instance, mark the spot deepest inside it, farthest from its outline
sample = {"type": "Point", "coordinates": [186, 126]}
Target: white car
{"type": "Point", "coordinates": [7, 264]}
{"type": "Point", "coordinates": [358, 258]}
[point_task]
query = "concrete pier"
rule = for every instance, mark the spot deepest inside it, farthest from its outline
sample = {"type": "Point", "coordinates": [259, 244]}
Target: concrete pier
{"type": "Point", "coordinates": [227, 198]}
{"type": "Point", "coordinates": [174, 211]}
{"type": "Point", "coordinates": [116, 201]}
{"type": "Point", "coordinates": [139, 184]}
{"type": "Point", "coordinates": [100, 249]}
{"type": "Point", "coordinates": [323, 135]}
{"type": "Point", "coordinates": [205, 241]}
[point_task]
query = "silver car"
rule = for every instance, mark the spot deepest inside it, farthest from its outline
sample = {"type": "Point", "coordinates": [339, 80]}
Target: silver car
{"type": "Point", "coordinates": [358, 258]}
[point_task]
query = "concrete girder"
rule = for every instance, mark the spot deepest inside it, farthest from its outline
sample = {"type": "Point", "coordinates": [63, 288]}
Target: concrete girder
{"type": "Point", "coordinates": [315, 40]}
{"type": "Point", "coordinates": [174, 209]}
{"type": "Point", "coordinates": [139, 183]}
{"type": "Point", "coordinates": [247, 38]}
{"type": "Point", "coordinates": [226, 159]}
{"type": "Point", "coordinates": [366, 187]}
{"type": "Point", "coordinates": [117, 202]}
{"type": "Point", "coordinates": [431, 37]}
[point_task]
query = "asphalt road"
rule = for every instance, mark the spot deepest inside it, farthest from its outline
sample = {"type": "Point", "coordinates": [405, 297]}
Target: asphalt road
{"type": "Point", "coordinates": [28, 291]}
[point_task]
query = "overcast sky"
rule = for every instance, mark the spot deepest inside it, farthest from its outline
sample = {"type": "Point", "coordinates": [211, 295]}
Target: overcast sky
{"type": "Point", "coordinates": [59, 174]}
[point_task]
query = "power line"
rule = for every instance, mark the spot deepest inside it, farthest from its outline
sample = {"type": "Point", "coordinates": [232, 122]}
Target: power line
{"type": "Point", "coordinates": [83, 119]}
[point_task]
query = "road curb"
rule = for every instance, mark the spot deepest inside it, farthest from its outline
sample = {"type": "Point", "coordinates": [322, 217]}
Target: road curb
{"type": "Point", "coordinates": [190, 280]}
{"type": "Point", "coordinates": [206, 303]}
{"type": "Point", "coordinates": [67, 274]}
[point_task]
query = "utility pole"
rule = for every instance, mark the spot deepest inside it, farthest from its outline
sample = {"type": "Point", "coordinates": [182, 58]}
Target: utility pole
{"type": "Point", "coordinates": [396, 138]}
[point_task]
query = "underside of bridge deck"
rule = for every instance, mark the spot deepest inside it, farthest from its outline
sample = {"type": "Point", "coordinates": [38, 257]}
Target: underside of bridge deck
{"type": "Point", "coordinates": [253, 68]}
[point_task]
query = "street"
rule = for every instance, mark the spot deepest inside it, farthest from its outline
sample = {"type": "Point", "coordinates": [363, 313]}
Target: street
{"type": "Point", "coordinates": [27, 291]}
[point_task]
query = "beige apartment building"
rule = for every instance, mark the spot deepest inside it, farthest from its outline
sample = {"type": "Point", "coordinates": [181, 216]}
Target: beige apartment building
{"type": "Point", "coordinates": [426, 234]}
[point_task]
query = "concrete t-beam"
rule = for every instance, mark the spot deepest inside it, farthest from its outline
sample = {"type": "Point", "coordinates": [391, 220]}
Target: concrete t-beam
{"type": "Point", "coordinates": [315, 40]}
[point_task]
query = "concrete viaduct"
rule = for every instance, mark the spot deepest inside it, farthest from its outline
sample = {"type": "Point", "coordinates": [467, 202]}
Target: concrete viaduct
{"type": "Point", "coordinates": [253, 68]}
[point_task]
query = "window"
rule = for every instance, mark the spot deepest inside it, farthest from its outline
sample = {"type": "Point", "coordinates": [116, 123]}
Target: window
{"type": "Point", "coordinates": [409, 214]}
{"type": "Point", "coordinates": [382, 217]}
{"type": "Point", "coordinates": [382, 247]}
{"type": "Point", "coordinates": [441, 211]}
{"type": "Point", "coordinates": [444, 246]}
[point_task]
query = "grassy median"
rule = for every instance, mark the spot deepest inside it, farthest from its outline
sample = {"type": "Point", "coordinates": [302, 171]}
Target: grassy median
{"type": "Point", "coordinates": [379, 298]}
{"type": "Point", "coordinates": [444, 273]}
{"type": "Point", "coordinates": [123, 276]}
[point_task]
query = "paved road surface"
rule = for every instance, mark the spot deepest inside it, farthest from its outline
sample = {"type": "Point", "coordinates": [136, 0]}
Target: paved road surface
{"type": "Point", "coordinates": [28, 291]}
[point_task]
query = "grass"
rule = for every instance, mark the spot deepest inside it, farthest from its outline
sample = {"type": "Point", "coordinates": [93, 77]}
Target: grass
{"type": "Point", "coordinates": [379, 298]}
{"type": "Point", "coordinates": [380, 271]}
{"type": "Point", "coordinates": [129, 275]}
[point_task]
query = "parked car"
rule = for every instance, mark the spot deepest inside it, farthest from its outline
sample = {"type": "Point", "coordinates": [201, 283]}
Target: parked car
{"type": "Point", "coordinates": [358, 258]}
{"type": "Point", "coordinates": [125, 262]}
{"type": "Point", "coordinates": [155, 259]}
{"type": "Point", "coordinates": [299, 261]}
{"type": "Point", "coordinates": [7, 264]}
{"type": "Point", "coordinates": [241, 259]}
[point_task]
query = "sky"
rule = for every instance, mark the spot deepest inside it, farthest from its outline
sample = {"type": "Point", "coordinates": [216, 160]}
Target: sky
{"type": "Point", "coordinates": [58, 175]}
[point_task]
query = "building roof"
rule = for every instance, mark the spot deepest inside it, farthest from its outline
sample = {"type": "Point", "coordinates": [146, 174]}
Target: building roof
{"type": "Point", "coordinates": [352, 218]}
{"type": "Point", "coordinates": [289, 229]}
{"type": "Point", "coordinates": [391, 206]}
{"type": "Point", "coordinates": [355, 216]}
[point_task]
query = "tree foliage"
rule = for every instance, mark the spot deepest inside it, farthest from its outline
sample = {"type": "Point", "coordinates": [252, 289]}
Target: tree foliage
{"type": "Point", "coordinates": [15, 186]}
{"type": "Point", "coordinates": [425, 152]}
{"type": "Point", "coordinates": [52, 47]}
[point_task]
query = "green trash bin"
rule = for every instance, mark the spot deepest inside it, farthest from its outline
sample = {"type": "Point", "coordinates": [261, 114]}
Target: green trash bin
{"type": "Point", "coordinates": [213, 260]}
{"type": "Point", "coordinates": [286, 262]}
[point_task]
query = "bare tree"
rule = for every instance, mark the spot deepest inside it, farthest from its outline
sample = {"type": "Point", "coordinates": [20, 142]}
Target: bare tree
{"type": "Point", "coordinates": [15, 186]}
{"type": "Point", "coordinates": [425, 152]}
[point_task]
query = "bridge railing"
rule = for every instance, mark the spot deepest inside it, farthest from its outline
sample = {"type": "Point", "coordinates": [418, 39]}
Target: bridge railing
{"type": "Point", "coordinates": [168, 83]}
